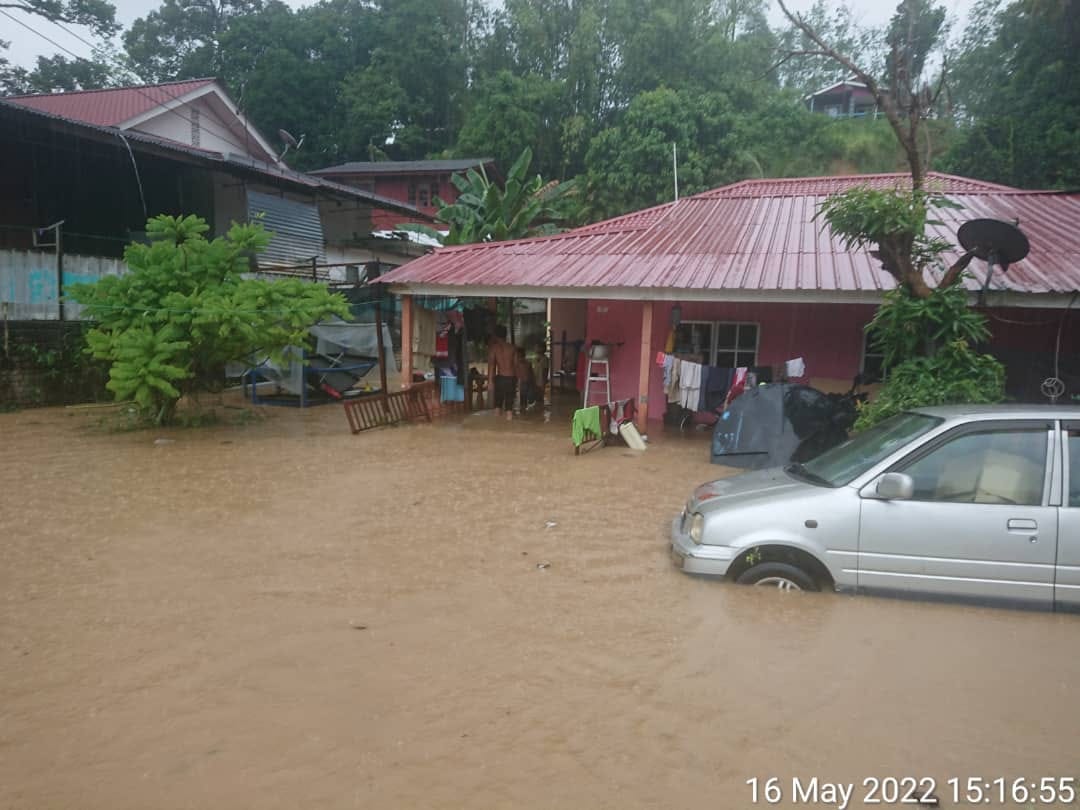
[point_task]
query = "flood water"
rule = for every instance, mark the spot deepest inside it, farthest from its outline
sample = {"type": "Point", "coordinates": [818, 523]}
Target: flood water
{"type": "Point", "coordinates": [283, 615]}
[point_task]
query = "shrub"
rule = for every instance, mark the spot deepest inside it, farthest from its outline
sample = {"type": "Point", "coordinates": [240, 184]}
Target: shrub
{"type": "Point", "coordinates": [168, 327]}
{"type": "Point", "coordinates": [955, 374]}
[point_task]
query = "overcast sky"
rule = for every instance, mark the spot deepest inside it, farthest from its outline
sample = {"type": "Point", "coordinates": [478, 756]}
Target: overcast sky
{"type": "Point", "coordinates": [27, 46]}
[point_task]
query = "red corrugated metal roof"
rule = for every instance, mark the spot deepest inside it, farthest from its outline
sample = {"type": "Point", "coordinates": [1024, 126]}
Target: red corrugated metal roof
{"type": "Point", "coordinates": [755, 235]}
{"type": "Point", "coordinates": [110, 107]}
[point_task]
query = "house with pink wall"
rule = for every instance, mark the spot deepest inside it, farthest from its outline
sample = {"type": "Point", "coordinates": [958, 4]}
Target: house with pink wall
{"type": "Point", "coordinates": [415, 182]}
{"type": "Point", "coordinates": [745, 275]}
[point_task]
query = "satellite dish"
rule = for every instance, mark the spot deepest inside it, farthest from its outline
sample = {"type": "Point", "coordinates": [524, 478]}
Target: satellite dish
{"type": "Point", "coordinates": [995, 242]}
{"type": "Point", "coordinates": [289, 141]}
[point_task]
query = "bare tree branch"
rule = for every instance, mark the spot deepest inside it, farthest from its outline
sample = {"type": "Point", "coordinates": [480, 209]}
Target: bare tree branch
{"type": "Point", "coordinates": [794, 54]}
{"type": "Point", "coordinates": [952, 275]}
{"type": "Point", "coordinates": [907, 135]}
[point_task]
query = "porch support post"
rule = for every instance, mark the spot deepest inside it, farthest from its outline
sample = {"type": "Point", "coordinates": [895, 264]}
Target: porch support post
{"type": "Point", "coordinates": [645, 366]}
{"type": "Point", "coordinates": [406, 340]}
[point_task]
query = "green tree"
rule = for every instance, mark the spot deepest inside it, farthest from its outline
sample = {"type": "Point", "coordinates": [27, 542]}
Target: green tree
{"type": "Point", "coordinates": [181, 39]}
{"type": "Point", "coordinates": [1017, 94]}
{"type": "Point", "coordinates": [631, 163]}
{"type": "Point", "coordinates": [485, 212]}
{"type": "Point", "coordinates": [511, 113]}
{"type": "Point", "coordinates": [58, 74]}
{"type": "Point", "coordinates": [290, 71]}
{"type": "Point", "coordinates": [12, 77]}
{"type": "Point", "coordinates": [169, 326]}
{"type": "Point", "coordinates": [97, 15]}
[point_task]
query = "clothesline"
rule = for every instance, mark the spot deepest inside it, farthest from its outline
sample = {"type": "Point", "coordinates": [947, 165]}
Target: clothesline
{"type": "Point", "coordinates": [698, 387]}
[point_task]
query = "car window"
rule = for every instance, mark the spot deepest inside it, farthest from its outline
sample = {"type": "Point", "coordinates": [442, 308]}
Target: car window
{"type": "Point", "coordinates": [993, 466]}
{"type": "Point", "coordinates": [844, 463]}
{"type": "Point", "coordinates": [1074, 467]}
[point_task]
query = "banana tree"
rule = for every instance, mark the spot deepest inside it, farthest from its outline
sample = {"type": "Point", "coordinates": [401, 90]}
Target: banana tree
{"type": "Point", "coordinates": [525, 206]}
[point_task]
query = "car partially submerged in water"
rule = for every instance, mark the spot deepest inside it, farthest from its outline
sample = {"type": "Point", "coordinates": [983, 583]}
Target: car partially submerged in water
{"type": "Point", "coordinates": [975, 502]}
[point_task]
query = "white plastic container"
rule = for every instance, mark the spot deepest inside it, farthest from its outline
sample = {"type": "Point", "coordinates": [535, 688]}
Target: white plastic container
{"type": "Point", "coordinates": [631, 436]}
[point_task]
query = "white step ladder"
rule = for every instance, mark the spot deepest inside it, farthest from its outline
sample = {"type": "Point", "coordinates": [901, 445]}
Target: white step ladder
{"type": "Point", "coordinates": [597, 377]}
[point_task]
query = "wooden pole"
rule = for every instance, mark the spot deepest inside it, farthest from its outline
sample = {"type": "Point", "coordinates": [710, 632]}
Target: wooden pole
{"type": "Point", "coordinates": [406, 341]}
{"type": "Point", "coordinates": [549, 350]}
{"type": "Point", "coordinates": [383, 394]}
{"type": "Point", "coordinates": [645, 366]}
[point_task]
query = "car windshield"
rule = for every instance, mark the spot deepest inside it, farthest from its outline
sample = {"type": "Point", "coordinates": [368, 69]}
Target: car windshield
{"type": "Point", "coordinates": [846, 462]}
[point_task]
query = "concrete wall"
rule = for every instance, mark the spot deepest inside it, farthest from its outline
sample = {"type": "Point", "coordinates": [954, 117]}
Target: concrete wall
{"type": "Point", "coordinates": [29, 288]}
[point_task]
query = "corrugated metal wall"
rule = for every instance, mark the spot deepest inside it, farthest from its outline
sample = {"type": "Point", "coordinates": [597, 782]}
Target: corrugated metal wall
{"type": "Point", "coordinates": [28, 288]}
{"type": "Point", "coordinates": [298, 233]}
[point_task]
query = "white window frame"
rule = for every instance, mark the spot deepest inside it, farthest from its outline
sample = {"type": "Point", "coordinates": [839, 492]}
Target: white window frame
{"type": "Point", "coordinates": [714, 347]}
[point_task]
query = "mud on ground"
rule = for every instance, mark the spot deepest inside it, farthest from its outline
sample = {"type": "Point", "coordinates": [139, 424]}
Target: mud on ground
{"type": "Point", "coordinates": [282, 615]}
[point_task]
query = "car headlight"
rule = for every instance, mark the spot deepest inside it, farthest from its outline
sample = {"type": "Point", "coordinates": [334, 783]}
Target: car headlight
{"type": "Point", "coordinates": [697, 524]}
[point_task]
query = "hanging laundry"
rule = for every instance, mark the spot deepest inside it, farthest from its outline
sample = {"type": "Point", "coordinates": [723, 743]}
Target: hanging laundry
{"type": "Point", "coordinates": [689, 385]}
{"type": "Point", "coordinates": [586, 421]}
{"type": "Point", "coordinates": [669, 361]}
{"type": "Point", "coordinates": [795, 368]}
{"type": "Point", "coordinates": [673, 380]}
{"type": "Point", "coordinates": [714, 388]}
{"type": "Point", "coordinates": [738, 384]}
{"type": "Point", "coordinates": [424, 329]}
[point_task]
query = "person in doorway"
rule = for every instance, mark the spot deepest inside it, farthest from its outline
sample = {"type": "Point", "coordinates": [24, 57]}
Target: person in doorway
{"type": "Point", "coordinates": [502, 372]}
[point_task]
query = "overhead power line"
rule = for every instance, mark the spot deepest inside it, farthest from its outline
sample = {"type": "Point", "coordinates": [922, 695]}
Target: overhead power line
{"type": "Point", "coordinates": [114, 65]}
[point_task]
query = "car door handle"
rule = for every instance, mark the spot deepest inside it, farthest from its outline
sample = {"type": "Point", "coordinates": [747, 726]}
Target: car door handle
{"type": "Point", "coordinates": [1022, 525]}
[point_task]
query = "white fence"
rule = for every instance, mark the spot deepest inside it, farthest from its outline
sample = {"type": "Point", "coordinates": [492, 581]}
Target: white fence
{"type": "Point", "coordinates": [28, 283]}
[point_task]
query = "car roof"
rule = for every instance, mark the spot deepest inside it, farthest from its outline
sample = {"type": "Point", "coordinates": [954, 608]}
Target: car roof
{"type": "Point", "coordinates": [1013, 411]}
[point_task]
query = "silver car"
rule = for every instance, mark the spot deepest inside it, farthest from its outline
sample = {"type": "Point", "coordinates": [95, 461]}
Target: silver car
{"type": "Point", "coordinates": [965, 501]}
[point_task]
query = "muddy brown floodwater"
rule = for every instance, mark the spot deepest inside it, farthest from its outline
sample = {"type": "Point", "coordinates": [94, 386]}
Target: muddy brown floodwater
{"type": "Point", "coordinates": [282, 615]}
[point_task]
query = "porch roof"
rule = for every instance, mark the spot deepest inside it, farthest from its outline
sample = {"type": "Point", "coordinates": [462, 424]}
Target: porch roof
{"type": "Point", "coordinates": [752, 240]}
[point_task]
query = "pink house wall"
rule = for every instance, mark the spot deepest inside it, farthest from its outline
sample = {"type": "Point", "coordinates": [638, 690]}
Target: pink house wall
{"type": "Point", "coordinates": [615, 322]}
{"type": "Point", "coordinates": [829, 337]}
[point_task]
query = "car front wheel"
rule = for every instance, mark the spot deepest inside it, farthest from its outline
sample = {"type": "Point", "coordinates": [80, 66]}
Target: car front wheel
{"type": "Point", "coordinates": [781, 576]}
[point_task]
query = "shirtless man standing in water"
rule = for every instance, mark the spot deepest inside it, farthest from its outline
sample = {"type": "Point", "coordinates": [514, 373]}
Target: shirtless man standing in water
{"type": "Point", "coordinates": [502, 377]}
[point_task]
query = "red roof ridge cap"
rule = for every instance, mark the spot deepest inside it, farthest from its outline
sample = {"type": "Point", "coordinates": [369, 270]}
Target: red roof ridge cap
{"type": "Point", "coordinates": [204, 80]}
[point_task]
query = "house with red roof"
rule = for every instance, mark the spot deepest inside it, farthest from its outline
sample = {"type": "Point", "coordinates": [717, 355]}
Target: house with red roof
{"type": "Point", "coordinates": [197, 113]}
{"type": "Point", "coordinates": [93, 166]}
{"type": "Point", "coordinates": [745, 275]}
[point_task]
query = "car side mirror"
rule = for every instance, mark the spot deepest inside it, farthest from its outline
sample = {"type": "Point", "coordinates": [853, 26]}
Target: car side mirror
{"type": "Point", "coordinates": [895, 487]}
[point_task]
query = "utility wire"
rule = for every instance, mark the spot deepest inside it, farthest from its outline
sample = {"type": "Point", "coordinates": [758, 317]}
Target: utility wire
{"type": "Point", "coordinates": [117, 65]}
